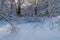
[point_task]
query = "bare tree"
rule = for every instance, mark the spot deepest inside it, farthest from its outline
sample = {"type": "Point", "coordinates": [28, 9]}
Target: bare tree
{"type": "Point", "coordinates": [13, 30]}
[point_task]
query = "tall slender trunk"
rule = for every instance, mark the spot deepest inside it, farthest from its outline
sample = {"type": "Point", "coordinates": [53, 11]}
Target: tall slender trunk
{"type": "Point", "coordinates": [19, 8]}
{"type": "Point", "coordinates": [2, 5]}
{"type": "Point", "coordinates": [35, 9]}
{"type": "Point", "coordinates": [13, 30]}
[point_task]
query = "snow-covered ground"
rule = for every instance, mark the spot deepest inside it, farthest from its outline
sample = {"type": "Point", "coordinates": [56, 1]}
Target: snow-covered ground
{"type": "Point", "coordinates": [32, 30]}
{"type": "Point", "coordinates": [4, 28]}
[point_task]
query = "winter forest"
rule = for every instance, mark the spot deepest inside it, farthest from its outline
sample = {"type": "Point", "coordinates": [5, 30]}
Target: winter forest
{"type": "Point", "coordinates": [29, 19]}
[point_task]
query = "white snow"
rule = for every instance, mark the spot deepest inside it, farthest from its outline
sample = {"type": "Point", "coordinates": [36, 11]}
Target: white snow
{"type": "Point", "coordinates": [4, 28]}
{"type": "Point", "coordinates": [35, 31]}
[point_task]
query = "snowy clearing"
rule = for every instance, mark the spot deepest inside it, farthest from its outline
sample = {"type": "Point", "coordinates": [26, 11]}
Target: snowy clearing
{"type": "Point", "coordinates": [33, 31]}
